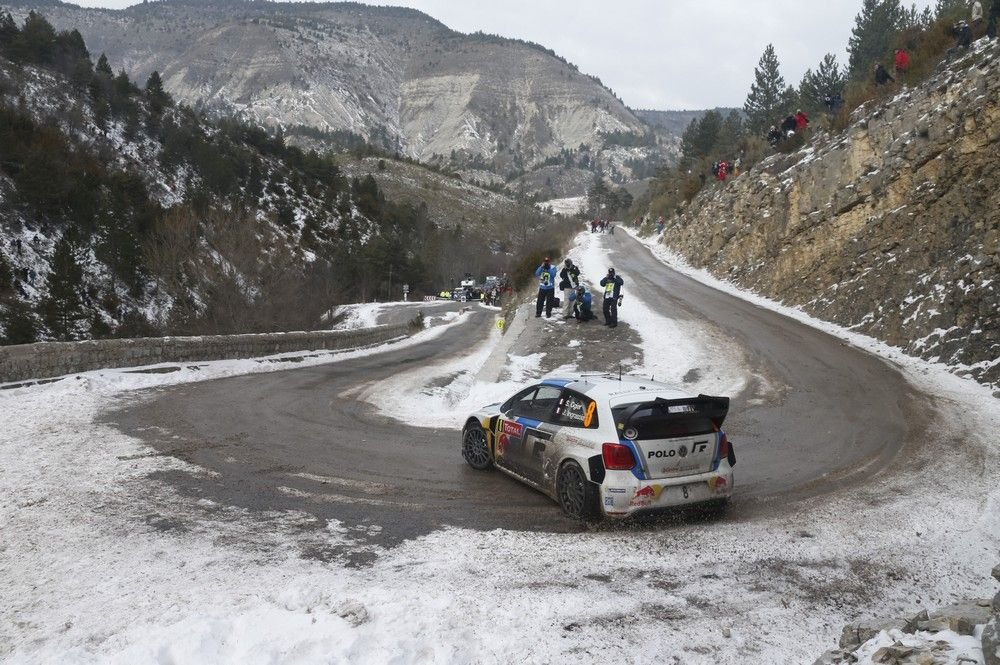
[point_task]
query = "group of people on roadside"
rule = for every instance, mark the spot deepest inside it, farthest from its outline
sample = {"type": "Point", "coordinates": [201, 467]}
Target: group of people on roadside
{"type": "Point", "coordinates": [577, 302]}
{"type": "Point", "coordinates": [602, 226]}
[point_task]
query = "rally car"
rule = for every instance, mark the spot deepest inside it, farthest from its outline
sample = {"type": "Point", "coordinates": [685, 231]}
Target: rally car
{"type": "Point", "coordinates": [604, 445]}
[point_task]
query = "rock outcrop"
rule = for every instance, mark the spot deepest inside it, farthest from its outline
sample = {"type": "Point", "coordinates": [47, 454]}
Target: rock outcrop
{"type": "Point", "coordinates": [918, 640]}
{"type": "Point", "coordinates": [890, 227]}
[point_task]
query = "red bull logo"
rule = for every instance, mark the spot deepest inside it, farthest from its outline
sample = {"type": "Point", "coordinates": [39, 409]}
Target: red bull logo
{"type": "Point", "coordinates": [717, 484]}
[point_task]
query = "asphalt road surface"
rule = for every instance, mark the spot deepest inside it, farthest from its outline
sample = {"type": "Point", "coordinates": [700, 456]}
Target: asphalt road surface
{"type": "Point", "coordinates": [290, 440]}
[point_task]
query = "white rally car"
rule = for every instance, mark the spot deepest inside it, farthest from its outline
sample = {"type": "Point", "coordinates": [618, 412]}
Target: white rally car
{"type": "Point", "coordinates": [607, 445]}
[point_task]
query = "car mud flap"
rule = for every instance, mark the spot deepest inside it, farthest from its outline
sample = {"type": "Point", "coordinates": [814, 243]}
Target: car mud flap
{"type": "Point", "coordinates": [732, 454]}
{"type": "Point", "coordinates": [596, 468]}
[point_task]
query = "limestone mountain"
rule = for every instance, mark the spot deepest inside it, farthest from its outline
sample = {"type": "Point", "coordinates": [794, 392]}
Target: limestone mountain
{"type": "Point", "coordinates": [475, 103]}
{"type": "Point", "coordinates": [123, 213]}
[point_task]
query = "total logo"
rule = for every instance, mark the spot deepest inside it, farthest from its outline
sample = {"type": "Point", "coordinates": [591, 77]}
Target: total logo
{"type": "Point", "coordinates": [512, 429]}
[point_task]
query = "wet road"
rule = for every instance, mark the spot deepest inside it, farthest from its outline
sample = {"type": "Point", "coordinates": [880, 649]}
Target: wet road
{"type": "Point", "coordinates": [293, 440]}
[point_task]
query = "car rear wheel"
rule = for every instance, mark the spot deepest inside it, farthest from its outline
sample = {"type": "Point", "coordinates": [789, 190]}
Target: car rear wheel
{"type": "Point", "coordinates": [577, 495]}
{"type": "Point", "coordinates": [475, 447]}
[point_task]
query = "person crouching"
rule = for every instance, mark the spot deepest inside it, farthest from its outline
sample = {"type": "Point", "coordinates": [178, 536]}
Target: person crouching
{"type": "Point", "coordinates": [583, 309]}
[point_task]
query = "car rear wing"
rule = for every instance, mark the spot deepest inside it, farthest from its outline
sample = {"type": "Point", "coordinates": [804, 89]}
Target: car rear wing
{"type": "Point", "coordinates": [680, 411]}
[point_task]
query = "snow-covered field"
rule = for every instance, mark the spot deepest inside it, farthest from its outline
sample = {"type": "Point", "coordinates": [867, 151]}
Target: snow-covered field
{"type": "Point", "coordinates": [99, 563]}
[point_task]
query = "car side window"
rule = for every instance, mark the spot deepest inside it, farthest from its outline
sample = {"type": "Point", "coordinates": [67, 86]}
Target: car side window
{"type": "Point", "coordinates": [536, 403]}
{"type": "Point", "coordinates": [576, 410]}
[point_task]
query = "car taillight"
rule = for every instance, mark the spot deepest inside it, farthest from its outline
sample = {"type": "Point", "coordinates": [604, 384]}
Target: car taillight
{"type": "Point", "coordinates": [723, 446]}
{"type": "Point", "coordinates": [617, 457]}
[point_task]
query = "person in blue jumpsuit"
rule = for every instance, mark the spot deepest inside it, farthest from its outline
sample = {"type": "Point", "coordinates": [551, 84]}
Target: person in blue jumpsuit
{"type": "Point", "coordinates": [582, 304]}
{"type": "Point", "coordinates": [546, 274]}
{"type": "Point", "coordinates": [612, 285]}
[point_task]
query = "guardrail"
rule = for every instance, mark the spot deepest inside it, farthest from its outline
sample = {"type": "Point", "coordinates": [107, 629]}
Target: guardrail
{"type": "Point", "coordinates": [50, 359]}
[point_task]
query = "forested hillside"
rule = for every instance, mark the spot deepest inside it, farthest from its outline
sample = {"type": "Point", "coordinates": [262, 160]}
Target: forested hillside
{"type": "Point", "coordinates": [123, 213]}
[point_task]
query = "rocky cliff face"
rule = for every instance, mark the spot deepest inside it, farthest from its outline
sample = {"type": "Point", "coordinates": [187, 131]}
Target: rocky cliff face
{"type": "Point", "coordinates": [890, 227]}
{"type": "Point", "coordinates": [391, 75]}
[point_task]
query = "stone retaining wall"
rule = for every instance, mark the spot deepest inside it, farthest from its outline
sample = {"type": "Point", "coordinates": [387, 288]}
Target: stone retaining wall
{"type": "Point", "coordinates": [49, 359]}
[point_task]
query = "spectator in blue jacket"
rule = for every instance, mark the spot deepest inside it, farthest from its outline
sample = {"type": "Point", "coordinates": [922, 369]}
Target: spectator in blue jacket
{"type": "Point", "coordinates": [583, 310]}
{"type": "Point", "coordinates": [546, 274]}
{"type": "Point", "coordinates": [612, 284]}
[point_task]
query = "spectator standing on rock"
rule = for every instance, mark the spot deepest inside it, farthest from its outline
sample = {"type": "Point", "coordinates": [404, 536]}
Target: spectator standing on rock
{"type": "Point", "coordinates": [612, 285]}
{"type": "Point", "coordinates": [569, 280]}
{"type": "Point", "coordinates": [833, 102]}
{"type": "Point", "coordinates": [963, 35]}
{"type": "Point", "coordinates": [976, 17]}
{"type": "Point", "coordinates": [788, 125]}
{"type": "Point", "coordinates": [882, 75]}
{"type": "Point", "coordinates": [774, 136]}
{"type": "Point", "coordinates": [902, 63]}
{"type": "Point", "coordinates": [546, 274]}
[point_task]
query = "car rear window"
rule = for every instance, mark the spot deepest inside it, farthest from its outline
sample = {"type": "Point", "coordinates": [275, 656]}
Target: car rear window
{"type": "Point", "coordinates": [656, 421]}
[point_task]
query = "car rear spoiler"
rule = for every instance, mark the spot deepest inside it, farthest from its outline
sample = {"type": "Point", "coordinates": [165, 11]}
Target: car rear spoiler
{"type": "Point", "coordinates": [703, 406]}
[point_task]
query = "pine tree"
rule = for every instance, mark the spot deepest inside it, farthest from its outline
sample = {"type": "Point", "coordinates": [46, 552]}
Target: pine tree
{"type": "Point", "coordinates": [951, 9]}
{"type": "Point", "coordinates": [159, 99]}
{"type": "Point", "coordinates": [826, 80]}
{"type": "Point", "coordinates": [871, 37]}
{"type": "Point", "coordinates": [103, 67]}
{"type": "Point", "coordinates": [18, 322]}
{"type": "Point", "coordinates": [62, 307]}
{"type": "Point", "coordinates": [700, 137]}
{"type": "Point", "coordinates": [768, 99]}
{"type": "Point", "coordinates": [730, 136]}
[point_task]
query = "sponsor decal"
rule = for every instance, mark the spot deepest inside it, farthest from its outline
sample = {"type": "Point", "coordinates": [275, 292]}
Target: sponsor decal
{"type": "Point", "coordinates": [681, 408]}
{"type": "Point", "coordinates": [502, 444]}
{"type": "Point", "coordinates": [646, 496]}
{"type": "Point", "coordinates": [609, 501]}
{"type": "Point", "coordinates": [718, 484]}
{"type": "Point", "coordinates": [512, 429]}
{"type": "Point", "coordinates": [665, 453]}
{"type": "Point", "coordinates": [649, 491]}
{"type": "Point", "coordinates": [617, 490]}
{"type": "Point", "coordinates": [699, 447]}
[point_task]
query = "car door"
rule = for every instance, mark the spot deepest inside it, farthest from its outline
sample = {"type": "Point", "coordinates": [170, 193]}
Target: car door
{"type": "Point", "coordinates": [525, 431]}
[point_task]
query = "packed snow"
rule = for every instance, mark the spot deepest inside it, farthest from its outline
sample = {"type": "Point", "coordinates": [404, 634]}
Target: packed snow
{"type": "Point", "coordinates": [99, 562]}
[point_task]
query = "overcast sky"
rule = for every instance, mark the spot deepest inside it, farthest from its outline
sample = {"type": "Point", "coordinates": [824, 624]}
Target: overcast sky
{"type": "Point", "coordinates": [659, 54]}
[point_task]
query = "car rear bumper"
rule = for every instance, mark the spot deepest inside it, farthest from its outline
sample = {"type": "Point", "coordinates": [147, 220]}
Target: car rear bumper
{"type": "Point", "coordinates": [623, 494]}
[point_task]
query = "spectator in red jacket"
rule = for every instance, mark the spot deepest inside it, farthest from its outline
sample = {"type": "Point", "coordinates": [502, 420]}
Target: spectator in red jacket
{"type": "Point", "coordinates": [902, 63]}
{"type": "Point", "coordinates": [801, 120]}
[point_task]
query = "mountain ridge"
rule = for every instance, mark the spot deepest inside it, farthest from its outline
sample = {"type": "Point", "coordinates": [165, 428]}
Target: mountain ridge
{"type": "Point", "coordinates": [396, 77]}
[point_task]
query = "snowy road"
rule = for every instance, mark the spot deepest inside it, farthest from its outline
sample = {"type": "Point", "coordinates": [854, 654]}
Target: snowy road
{"type": "Point", "coordinates": [815, 415]}
{"type": "Point", "coordinates": [270, 519]}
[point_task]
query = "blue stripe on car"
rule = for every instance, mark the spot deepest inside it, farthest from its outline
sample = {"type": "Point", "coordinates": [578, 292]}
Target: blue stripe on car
{"type": "Point", "coordinates": [637, 469]}
{"type": "Point", "coordinates": [558, 383]}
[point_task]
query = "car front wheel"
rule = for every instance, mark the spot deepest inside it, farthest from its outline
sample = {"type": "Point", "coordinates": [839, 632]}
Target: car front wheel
{"type": "Point", "coordinates": [475, 447]}
{"type": "Point", "coordinates": [577, 495]}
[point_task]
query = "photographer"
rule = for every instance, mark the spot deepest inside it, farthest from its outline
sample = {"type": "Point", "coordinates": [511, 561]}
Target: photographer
{"type": "Point", "coordinates": [546, 274]}
{"type": "Point", "coordinates": [570, 279]}
{"type": "Point", "coordinates": [612, 284]}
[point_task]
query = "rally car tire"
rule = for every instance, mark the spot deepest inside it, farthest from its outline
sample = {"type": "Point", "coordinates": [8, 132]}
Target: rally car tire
{"type": "Point", "coordinates": [577, 496]}
{"type": "Point", "coordinates": [476, 447]}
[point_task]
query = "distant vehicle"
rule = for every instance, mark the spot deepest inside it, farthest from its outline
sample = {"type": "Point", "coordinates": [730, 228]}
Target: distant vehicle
{"type": "Point", "coordinates": [606, 445]}
{"type": "Point", "coordinates": [467, 289]}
